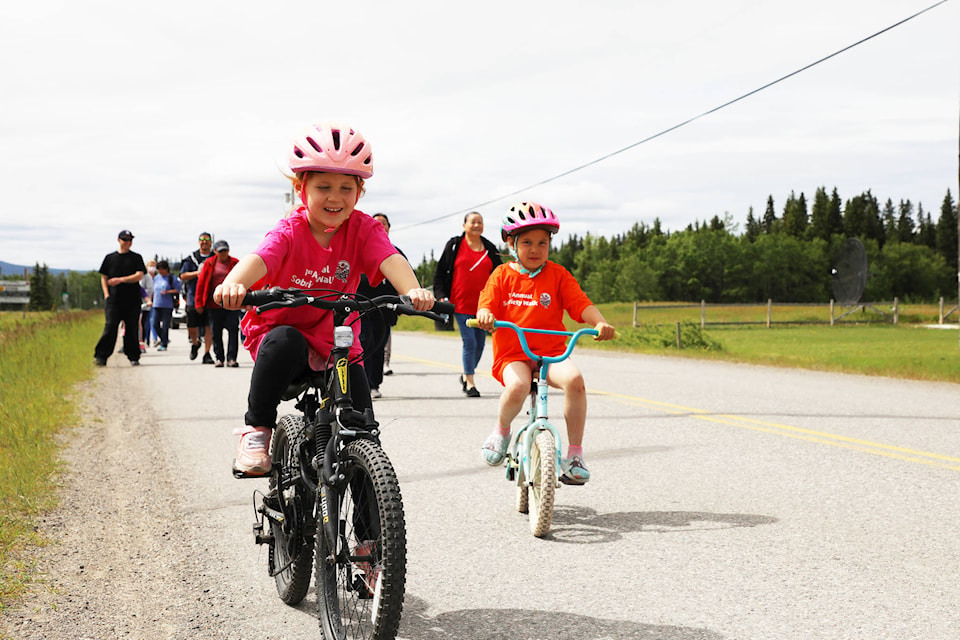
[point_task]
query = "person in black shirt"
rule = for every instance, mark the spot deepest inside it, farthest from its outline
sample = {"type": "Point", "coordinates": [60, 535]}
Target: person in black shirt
{"type": "Point", "coordinates": [120, 275]}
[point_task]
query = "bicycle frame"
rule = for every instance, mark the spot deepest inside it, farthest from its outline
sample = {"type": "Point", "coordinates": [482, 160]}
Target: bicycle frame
{"type": "Point", "coordinates": [518, 467]}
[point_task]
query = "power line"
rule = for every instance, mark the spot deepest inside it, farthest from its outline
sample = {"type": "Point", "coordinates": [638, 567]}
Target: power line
{"type": "Point", "coordinates": [676, 126]}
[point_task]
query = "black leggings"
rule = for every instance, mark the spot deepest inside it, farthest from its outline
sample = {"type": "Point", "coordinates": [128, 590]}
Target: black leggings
{"type": "Point", "coordinates": [281, 359]}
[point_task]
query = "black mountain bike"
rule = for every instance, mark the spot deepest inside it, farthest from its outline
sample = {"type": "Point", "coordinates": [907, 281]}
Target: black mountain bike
{"type": "Point", "coordinates": [333, 494]}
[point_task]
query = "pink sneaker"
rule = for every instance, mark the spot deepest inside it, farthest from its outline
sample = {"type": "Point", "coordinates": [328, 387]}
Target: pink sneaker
{"type": "Point", "coordinates": [253, 453]}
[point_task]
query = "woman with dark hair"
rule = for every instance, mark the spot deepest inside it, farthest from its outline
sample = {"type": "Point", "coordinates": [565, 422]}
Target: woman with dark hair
{"type": "Point", "coordinates": [466, 262]}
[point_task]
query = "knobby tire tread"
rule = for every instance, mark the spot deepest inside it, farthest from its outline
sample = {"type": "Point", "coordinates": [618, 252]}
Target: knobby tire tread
{"type": "Point", "coordinates": [346, 612]}
{"type": "Point", "coordinates": [544, 483]}
{"type": "Point", "coordinates": [293, 582]}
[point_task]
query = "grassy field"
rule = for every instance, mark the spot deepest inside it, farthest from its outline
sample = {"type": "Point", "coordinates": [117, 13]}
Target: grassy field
{"type": "Point", "coordinates": [865, 342]}
{"type": "Point", "coordinates": [44, 355]}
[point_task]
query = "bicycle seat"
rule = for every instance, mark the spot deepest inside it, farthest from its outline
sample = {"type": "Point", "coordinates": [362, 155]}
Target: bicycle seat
{"type": "Point", "coordinates": [312, 379]}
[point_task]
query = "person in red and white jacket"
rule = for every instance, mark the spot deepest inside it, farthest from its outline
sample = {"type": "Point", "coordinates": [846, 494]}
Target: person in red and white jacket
{"type": "Point", "coordinates": [212, 273]}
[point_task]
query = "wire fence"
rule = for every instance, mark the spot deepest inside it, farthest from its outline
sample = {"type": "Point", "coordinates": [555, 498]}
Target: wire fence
{"type": "Point", "coordinates": [783, 313]}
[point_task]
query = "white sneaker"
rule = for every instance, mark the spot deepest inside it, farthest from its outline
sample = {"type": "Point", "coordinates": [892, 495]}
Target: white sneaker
{"type": "Point", "coordinates": [253, 451]}
{"type": "Point", "coordinates": [494, 449]}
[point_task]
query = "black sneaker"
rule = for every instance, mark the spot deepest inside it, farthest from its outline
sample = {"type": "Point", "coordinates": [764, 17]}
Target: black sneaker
{"type": "Point", "coordinates": [207, 359]}
{"type": "Point", "coordinates": [134, 363]}
{"type": "Point", "coordinates": [194, 350]}
{"type": "Point", "coordinates": [472, 392]}
{"type": "Point", "coordinates": [100, 362]}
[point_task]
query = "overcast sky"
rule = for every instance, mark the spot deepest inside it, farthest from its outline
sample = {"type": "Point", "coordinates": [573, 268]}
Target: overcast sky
{"type": "Point", "coordinates": [174, 118]}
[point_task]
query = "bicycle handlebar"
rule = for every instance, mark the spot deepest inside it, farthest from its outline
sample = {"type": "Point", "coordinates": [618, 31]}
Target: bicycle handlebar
{"type": "Point", "coordinates": [276, 298]}
{"type": "Point", "coordinates": [520, 331]}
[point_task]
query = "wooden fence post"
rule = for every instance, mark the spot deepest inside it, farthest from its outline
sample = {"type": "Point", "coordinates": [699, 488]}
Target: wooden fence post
{"type": "Point", "coordinates": [896, 310]}
{"type": "Point", "coordinates": [941, 310]}
{"type": "Point", "coordinates": [635, 305]}
{"type": "Point", "coordinates": [831, 312]}
{"type": "Point", "coordinates": [769, 310]}
{"type": "Point", "coordinates": [703, 314]}
{"type": "Point", "coordinates": [679, 345]}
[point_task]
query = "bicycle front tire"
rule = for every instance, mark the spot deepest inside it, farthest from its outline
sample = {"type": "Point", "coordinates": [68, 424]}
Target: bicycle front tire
{"type": "Point", "coordinates": [543, 482]}
{"type": "Point", "coordinates": [361, 577]}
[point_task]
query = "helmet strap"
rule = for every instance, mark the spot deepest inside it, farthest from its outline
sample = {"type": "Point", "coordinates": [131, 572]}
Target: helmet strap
{"type": "Point", "coordinates": [523, 270]}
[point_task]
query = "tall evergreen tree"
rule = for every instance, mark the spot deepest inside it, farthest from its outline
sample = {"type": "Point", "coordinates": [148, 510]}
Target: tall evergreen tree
{"type": "Point", "coordinates": [819, 226]}
{"type": "Point", "coordinates": [926, 231]}
{"type": "Point", "coordinates": [889, 219]}
{"type": "Point", "coordinates": [947, 231]}
{"type": "Point", "coordinates": [836, 213]}
{"type": "Point", "coordinates": [795, 218]}
{"type": "Point", "coordinates": [40, 286]}
{"type": "Point", "coordinates": [753, 229]}
{"type": "Point", "coordinates": [770, 223]}
{"type": "Point", "coordinates": [905, 225]}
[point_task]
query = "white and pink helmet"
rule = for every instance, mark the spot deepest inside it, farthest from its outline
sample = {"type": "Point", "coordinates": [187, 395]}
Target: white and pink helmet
{"type": "Point", "coordinates": [332, 148]}
{"type": "Point", "coordinates": [524, 216]}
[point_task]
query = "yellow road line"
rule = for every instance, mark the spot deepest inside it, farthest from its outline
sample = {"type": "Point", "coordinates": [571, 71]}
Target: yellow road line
{"type": "Point", "coordinates": [799, 433]}
{"type": "Point", "coordinates": [831, 439]}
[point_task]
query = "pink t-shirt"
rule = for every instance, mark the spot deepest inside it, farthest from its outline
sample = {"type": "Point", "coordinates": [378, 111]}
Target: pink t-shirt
{"type": "Point", "coordinates": [294, 259]}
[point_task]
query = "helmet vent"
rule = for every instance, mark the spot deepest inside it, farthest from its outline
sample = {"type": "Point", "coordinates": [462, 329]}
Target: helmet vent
{"type": "Point", "coordinates": [336, 138]}
{"type": "Point", "coordinates": [313, 143]}
{"type": "Point", "coordinates": [357, 151]}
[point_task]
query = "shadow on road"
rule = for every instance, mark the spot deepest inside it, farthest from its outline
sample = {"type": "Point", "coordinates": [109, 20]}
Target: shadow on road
{"type": "Point", "coordinates": [583, 525]}
{"type": "Point", "coordinates": [530, 624]}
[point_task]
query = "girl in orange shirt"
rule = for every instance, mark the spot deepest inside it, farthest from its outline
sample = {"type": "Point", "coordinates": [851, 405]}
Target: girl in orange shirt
{"type": "Point", "coordinates": [534, 292]}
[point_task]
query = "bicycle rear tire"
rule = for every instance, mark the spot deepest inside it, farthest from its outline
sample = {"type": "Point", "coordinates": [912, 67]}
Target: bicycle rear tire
{"type": "Point", "coordinates": [360, 583]}
{"type": "Point", "coordinates": [543, 482]}
{"type": "Point", "coordinates": [290, 558]}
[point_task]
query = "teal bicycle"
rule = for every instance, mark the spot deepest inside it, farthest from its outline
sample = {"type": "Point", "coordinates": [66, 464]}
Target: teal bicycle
{"type": "Point", "coordinates": [535, 452]}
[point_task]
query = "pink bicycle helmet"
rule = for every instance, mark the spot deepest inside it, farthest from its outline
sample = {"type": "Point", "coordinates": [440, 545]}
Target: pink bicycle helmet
{"type": "Point", "coordinates": [332, 148]}
{"type": "Point", "coordinates": [528, 215]}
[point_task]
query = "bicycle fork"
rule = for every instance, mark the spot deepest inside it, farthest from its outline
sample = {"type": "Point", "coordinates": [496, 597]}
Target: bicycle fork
{"type": "Point", "coordinates": [519, 458]}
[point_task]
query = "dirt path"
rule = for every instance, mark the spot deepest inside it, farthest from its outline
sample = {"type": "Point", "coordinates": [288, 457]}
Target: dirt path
{"type": "Point", "coordinates": [116, 566]}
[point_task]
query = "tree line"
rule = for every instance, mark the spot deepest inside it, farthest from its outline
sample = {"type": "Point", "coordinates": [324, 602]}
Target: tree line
{"type": "Point", "coordinates": [785, 257]}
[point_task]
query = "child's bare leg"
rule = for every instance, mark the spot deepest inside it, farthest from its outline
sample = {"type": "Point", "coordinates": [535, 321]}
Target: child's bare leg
{"type": "Point", "coordinates": [565, 375]}
{"type": "Point", "coordinates": [516, 388]}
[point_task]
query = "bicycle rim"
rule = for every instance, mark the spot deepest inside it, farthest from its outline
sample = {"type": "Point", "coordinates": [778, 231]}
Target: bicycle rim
{"type": "Point", "coordinates": [291, 548]}
{"type": "Point", "coordinates": [360, 583]}
{"type": "Point", "coordinates": [543, 469]}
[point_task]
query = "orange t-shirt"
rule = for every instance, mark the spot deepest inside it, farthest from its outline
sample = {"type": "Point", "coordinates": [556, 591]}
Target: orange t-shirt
{"type": "Point", "coordinates": [537, 303]}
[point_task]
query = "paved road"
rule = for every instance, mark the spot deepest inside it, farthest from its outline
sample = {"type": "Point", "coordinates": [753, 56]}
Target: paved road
{"type": "Point", "coordinates": [728, 502]}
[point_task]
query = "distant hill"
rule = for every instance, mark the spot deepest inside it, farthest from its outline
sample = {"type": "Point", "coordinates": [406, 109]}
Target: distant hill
{"type": "Point", "coordinates": [9, 269]}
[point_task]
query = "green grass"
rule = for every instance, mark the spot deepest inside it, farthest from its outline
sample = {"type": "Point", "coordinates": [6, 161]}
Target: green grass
{"type": "Point", "coordinates": [864, 342]}
{"type": "Point", "coordinates": [42, 357]}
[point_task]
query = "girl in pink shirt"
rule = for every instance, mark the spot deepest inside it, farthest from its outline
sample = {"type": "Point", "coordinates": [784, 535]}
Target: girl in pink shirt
{"type": "Point", "coordinates": [326, 243]}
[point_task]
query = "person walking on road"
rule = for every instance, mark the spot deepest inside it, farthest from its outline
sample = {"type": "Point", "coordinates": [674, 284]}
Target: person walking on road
{"type": "Point", "coordinates": [146, 307]}
{"type": "Point", "coordinates": [120, 274]}
{"type": "Point", "coordinates": [196, 321]}
{"type": "Point", "coordinates": [464, 266]}
{"type": "Point", "coordinates": [212, 274]}
{"type": "Point", "coordinates": [375, 327]}
{"type": "Point", "coordinates": [166, 287]}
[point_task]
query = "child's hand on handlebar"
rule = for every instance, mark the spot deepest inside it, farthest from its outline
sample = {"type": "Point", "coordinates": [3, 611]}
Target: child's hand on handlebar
{"type": "Point", "coordinates": [607, 331]}
{"type": "Point", "coordinates": [422, 299]}
{"type": "Point", "coordinates": [485, 319]}
{"type": "Point", "coordinates": [230, 296]}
